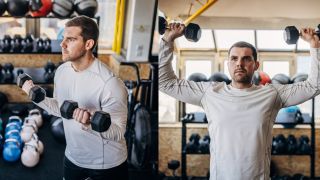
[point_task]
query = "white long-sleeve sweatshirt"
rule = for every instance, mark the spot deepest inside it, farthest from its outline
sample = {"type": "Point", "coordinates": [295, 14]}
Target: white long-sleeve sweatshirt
{"type": "Point", "coordinates": [95, 88]}
{"type": "Point", "coordinates": [240, 121]}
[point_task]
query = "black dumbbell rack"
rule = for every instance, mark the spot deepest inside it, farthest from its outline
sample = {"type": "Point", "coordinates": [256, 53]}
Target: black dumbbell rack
{"type": "Point", "coordinates": [184, 147]}
{"type": "Point", "coordinates": [308, 120]}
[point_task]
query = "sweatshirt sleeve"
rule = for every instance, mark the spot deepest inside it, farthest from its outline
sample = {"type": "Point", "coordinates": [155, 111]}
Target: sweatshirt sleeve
{"type": "Point", "coordinates": [293, 94]}
{"type": "Point", "coordinates": [183, 90]}
{"type": "Point", "coordinates": [51, 105]}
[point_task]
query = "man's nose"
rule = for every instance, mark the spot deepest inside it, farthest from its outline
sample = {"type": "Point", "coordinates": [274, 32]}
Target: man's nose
{"type": "Point", "coordinates": [63, 44]}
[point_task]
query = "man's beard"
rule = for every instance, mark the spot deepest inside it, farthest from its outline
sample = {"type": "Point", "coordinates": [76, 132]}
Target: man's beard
{"type": "Point", "coordinates": [80, 55]}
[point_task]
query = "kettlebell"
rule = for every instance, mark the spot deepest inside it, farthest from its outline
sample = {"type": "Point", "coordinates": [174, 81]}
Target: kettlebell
{"type": "Point", "coordinates": [49, 72]}
{"type": "Point", "coordinates": [8, 73]}
{"type": "Point", "coordinates": [6, 44]}
{"type": "Point", "coordinates": [28, 43]}
{"type": "Point", "coordinates": [16, 43]}
{"type": "Point", "coordinates": [30, 155]}
{"type": "Point", "coordinates": [47, 44]}
{"type": "Point", "coordinates": [40, 45]}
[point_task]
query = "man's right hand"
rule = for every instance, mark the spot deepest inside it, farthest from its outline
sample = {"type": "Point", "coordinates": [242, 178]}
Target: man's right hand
{"type": "Point", "coordinates": [27, 86]}
{"type": "Point", "coordinates": [174, 31]}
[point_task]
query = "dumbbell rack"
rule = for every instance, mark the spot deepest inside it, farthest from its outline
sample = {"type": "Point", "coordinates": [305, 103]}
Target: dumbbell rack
{"type": "Point", "coordinates": [307, 121]}
{"type": "Point", "coordinates": [310, 122]}
{"type": "Point", "coordinates": [184, 147]}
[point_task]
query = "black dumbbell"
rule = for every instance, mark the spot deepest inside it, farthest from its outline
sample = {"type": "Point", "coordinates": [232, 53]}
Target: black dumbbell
{"type": "Point", "coordinates": [100, 121]}
{"type": "Point", "coordinates": [193, 144]}
{"type": "Point", "coordinates": [16, 43]}
{"type": "Point", "coordinates": [174, 165]}
{"type": "Point", "coordinates": [49, 72]}
{"type": "Point", "coordinates": [304, 146]}
{"type": "Point", "coordinates": [8, 73]}
{"type": "Point", "coordinates": [47, 45]}
{"type": "Point", "coordinates": [6, 43]}
{"type": "Point", "coordinates": [279, 144]}
{"type": "Point", "coordinates": [204, 144]}
{"type": "Point", "coordinates": [36, 94]}
{"type": "Point", "coordinates": [19, 71]}
{"type": "Point", "coordinates": [192, 32]}
{"type": "Point", "coordinates": [28, 43]}
{"type": "Point", "coordinates": [39, 45]}
{"type": "Point", "coordinates": [291, 34]}
{"type": "Point", "coordinates": [292, 144]}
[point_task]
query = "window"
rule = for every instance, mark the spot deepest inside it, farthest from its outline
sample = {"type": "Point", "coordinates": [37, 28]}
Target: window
{"type": "Point", "coordinates": [225, 38]}
{"type": "Point", "coordinates": [275, 67]}
{"type": "Point", "coordinates": [11, 26]}
{"type": "Point", "coordinates": [272, 40]}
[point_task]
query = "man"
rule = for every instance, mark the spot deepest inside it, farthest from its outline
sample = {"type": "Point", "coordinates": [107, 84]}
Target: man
{"type": "Point", "coordinates": [240, 115]}
{"type": "Point", "coordinates": [86, 80]}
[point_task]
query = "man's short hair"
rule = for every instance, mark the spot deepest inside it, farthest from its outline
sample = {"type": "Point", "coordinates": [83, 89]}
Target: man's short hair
{"type": "Point", "coordinates": [243, 44]}
{"type": "Point", "coordinates": [89, 28]}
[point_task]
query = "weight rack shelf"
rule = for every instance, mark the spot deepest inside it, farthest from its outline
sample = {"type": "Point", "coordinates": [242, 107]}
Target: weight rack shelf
{"type": "Point", "coordinates": [307, 121]}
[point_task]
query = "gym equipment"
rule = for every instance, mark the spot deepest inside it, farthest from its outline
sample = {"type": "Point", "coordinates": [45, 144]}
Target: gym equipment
{"type": "Point", "coordinates": [219, 77]}
{"type": "Point", "coordinates": [192, 31]}
{"type": "Point", "coordinates": [193, 144]}
{"type": "Point", "coordinates": [304, 146]}
{"type": "Point", "coordinates": [1, 126]}
{"type": "Point", "coordinates": [57, 129]}
{"type": "Point", "coordinates": [19, 110]}
{"type": "Point", "coordinates": [279, 144]}
{"type": "Point", "coordinates": [27, 43]}
{"type": "Point", "coordinates": [18, 8]}
{"type": "Point", "coordinates": [30, 155]}
{"type": "Point", "coordinates": [37, 143]}
{"type": "Point", "coordinates": [260, 78]}
{"type": "Point", "coordinates": [3, 100]}
{"type": "Point", "coordinates": [49, 91]}
{"type": "Point", "coordinates": [197, 77]}
{"type": "Point", "coordinates": [40, 8]}
{"type": "Point", "coordinates": [3, 7]}
{"type": "Point", "coordinates": [292, 144]}
{"type": "Point", "coordinates": [49, 72]}
{"type": "Point", "coordinates": [47, 45]}
{"type": "Point", "coordinates": [29, 127]}
{"type": "Point", "coordinates": [36, 115]}
{"type": "Point", "coordinates": [8, 75]}
{"type": "Point", "coordinates": [62, 8]}
{"type": "Point", "coordinates": [204, 145]}
{"type": "Point", "coordinates": [11, 150]}
{"type": "Point", "coordinates": [16, 120]}
{"type": "Point", "coordinates": [280, 79]}
{"type": "Point", "coordinates": [6, 44]}
{"type": "Point", "coordinates": [16, 43]}
{"type": "Point", "coordinates": [299, 177]}
{"type": "Point", "coordinates": [86, 7]}
{"type": "Point", "coordinates": [100, 121]}
{"type": "Point", "coordinates": [40, 45]}
{"type": "Point", "coordinates": [299, 77]}
{"type": "Point", "coordinates": [36, 94]}
{"type": "Point", "coordinates": [173, 165]}
{"type": "Point", "coordinates": [291, 34]}
{"type": "Point", "coordinates": [290, 114]}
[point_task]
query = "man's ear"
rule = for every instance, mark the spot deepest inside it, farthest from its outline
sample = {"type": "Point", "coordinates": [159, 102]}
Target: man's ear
{"type": "Point", "coordinates": [89, 44]}
{"type": "Point", "coordinates": [257, 64]}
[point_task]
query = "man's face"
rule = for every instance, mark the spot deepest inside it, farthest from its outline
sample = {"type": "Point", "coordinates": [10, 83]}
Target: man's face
{"type": "Point", "coordinates": [72, 45]}
{"type": "Point", "coordinates": [242, 65]}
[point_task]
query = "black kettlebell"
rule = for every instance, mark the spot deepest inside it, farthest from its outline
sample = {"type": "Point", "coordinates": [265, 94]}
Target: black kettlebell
{"type": "Point", "coordinates": [204, 146]}
{"type": "Point", "coordinates": [28, 43]}
{"type": "Point", "coordinates": [16, 43]}
{"type": "Point", "coordinates": [279, 144]}
{"type": "Point", "coordinates": [292, 144]}
{"type": "Point", "coordinates": [6, 43]}
{"type": "Point", "coordinates": [193, 144]}
{"type": "Point", "coordinates": [8, 73]}
{"type": "Point", "coordinates": [47, 45]}
{"type": "Point", "coordinates": [304, 146]}
{"type": "Point", "coordinates": [49, 72]}
{"type": "Point", "coordinates": [1, 74]}
{"type": "Point", "coordinates": [40, 45]}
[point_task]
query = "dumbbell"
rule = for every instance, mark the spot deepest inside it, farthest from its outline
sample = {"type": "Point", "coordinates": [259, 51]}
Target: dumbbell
{"type": "Point", "coordinates": [100, 121]}
{"type": "Point", "coordinates": [291, 34]}
{"type": "Point", "coordinates": [36, 94]}
{"type": "Point", "coordinates": [28, 43]}
{"type": "Point", "coordinates": [8, 75]}
{"type": "Point", "coordinates": [193, 144]}
{"type": "Point", "coordinates": [6, 43]}
{"type": "Point", "coordinates": [173, 165]}
{"type": "Point", "coordinates": [192, 32]}
{"type": "Point", "coordinates": [16, 43]}
{"type": "Point", "coordinates": [204, 145]}
{"type": "Point", "coordinates": [49, 72]}
{"type": "Point", "coordinates": [47, 45]}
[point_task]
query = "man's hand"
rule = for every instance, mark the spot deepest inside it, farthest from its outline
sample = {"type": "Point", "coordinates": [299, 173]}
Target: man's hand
{"type": "Point", "coordinates": [309, 35]}
{"type": "Point", "coordinates": [174, 31]}
{"type": "Point", "coordinates": [82, 116]}
{"type": "Point", "coordinates": [27, 86]}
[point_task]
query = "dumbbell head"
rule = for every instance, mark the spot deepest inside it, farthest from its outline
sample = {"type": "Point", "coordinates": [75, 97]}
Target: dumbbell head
{"type": "Point", "coordinates": [37, 94]}
{"type": "Point", "coordinates": [162, 25]}
{"type": "Point", "coordinates": [100, 121]}
{"type": "Point", "coordinates": [22, 78]}
{"type": "Point", "coordinates": [67, 108]}
{"type": "Point", "coordinates": [192, 32]}
{"type": "Point", "coordinates": [291, 35]}
{"type": "Point", "coordinates": [173, 164]}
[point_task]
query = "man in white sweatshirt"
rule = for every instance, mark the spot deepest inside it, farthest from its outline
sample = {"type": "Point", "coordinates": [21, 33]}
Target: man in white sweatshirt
{"type": "Point", "coordinates": [86, 80]}
{"type": "Point", "coordinates": [240, 115]}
